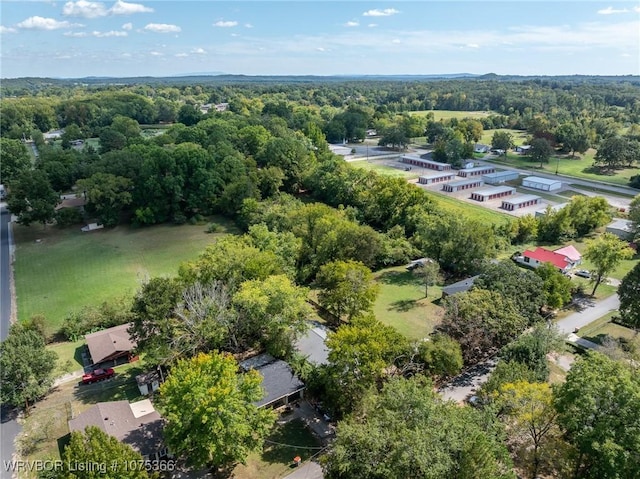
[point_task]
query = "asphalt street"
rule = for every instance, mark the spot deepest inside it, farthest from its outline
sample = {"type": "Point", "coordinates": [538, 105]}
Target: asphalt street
{"type": "Point", "coordinates": [9, 427]}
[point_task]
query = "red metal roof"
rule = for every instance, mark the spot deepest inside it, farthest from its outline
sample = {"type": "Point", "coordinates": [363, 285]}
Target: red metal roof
{"type": "Point", "coordinates": [546, 256]}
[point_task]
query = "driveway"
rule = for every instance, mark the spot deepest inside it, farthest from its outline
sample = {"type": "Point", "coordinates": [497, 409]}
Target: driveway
{"type": "Point", "coordinates": [309, 470]}
{"type": "Point", "coordinates": [589, 314]}
{"type": "Point", "coordinates": [467, 383]}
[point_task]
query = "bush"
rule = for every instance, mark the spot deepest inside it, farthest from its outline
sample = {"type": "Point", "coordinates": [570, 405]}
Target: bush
{"type": "Point", "coordinates": [212, 228]}
{"type": "Point", "coordinates": [94, 318]}
{"type": "Point", "coordinates": [68, 216]}
{"type": "Point", "coordinates": [634, 181]}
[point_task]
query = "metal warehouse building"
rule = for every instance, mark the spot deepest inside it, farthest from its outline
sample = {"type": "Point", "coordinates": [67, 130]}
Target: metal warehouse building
{"type": "Point", "coordinates": [542, 184]}
{"type": "Point", "coordinates": [437, 177]}
{"type": "Point", "coordinates": [422, 163]}
{"type": "Point", "coordinates": [476, 171]}
{"type": "Point", "coordinates": [520, 201]}
{"type": "Point", "coordinates": [500, 177]}
{"type": "Point", "coordinates": [460, 185]}
{"type": "Point", "coordinates": [492, 193]}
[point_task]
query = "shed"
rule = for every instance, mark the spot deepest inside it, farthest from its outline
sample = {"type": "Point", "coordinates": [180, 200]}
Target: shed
{"type": "Point", "coordinates": [280, 384]}
{"type": "Point", "coordinates": [460, 185]}
{"type": "Point", "coordinates": [459, 287]}
{"type": "Point", "coordinates": [487, 194]}
{"type": "Point", "coordinates": [436, 177]}
{"type": "Point", "coordinates": [149, 382]}
{"type": "Point", "coordinates": [476, 171]}
{"type": "Point", "coordinates": [500, 177]}
{"type": "Point", "coordinates": [110, 344]}
{"type": "Point", "coordinates": [543, 184]}
{"type": "Point", "coordinates": [623, 229]}
{"type": "Point", "coordinates": [520, 201]}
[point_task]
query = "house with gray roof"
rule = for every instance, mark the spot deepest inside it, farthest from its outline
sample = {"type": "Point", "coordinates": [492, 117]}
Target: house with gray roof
{"type": "Point", "coordinates": [280, 384]}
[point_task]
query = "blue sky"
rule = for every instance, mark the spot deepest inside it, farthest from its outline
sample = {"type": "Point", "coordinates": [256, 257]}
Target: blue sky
{"type": "Point", "coordinates": [162, 38]}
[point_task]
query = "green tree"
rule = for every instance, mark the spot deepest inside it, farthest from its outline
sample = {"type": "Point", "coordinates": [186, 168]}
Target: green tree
{"type": "Point", "coordinates": [15, 160]}
{"type": "Point", "coordinates": [605, 253]}
{"type": "Point", "coordinates": [506, 372]}
{"type": "Point", "coordinates": [275, 311]}
{"type": "Point", "coordinates": [208, 406]}
{"type": "Point", "coordinates": [347, 289]}
{"type": "Point", "coordinates": [531, 415]}
{"type": "Point", "coordinates": [524, 229]}
{"type": "Point", "coordinates": [532, 348]}
{"type": "Point", "coordinates": [502, 140]}
{"type": "Point", "coordinates": [441, 355]}
{"type": "Point", "coordinates": [598, 408]}
{"type": "Point", "coordinates": [612, 152]}
{"type": "Point", "coordinates": [586, 213]}
{"type": "Point", "coordinates": [481, 321]}
{"type": "Point", "coordinates": [106, 195]}
{"type": "Point", "coordinates": [429, 273]}
{"type": "Point", "coordinates": [634, 215]}
{"type": "Point", "coordinates": [573, 137]}
{"type": "Point", "coordinates": [541, 150]}
{"type": "Point", "coordinates": [111, 458]}
{"type": "Point", "coordinates": [26, 367]}
{"type": "Point", "coordinates": [557, 287]}
{"type": "Point", "coordinates": [408, 431]}
{"type": "Point", "coordinates": [629, 293]}
{"type": "Point", "coordinates": [32, 198]}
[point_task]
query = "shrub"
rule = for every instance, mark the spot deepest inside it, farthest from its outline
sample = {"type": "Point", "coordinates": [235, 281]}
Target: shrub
{"type": "Point", "coordinates": [68, 216]}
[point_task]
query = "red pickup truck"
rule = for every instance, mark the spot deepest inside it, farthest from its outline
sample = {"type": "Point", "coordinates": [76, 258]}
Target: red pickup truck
{"type": "Point", "coordinates": [97, 375]}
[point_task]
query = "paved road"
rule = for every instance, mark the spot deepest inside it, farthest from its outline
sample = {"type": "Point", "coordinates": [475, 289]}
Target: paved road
{"type": "Point", "coordinates": [309, 470]}
{"type": "Point", "coordinates": [588, 315]}
{"type": "Point", "coordinates": [469, 382]}
{"type": "Point", "coordinates": [9, 427]}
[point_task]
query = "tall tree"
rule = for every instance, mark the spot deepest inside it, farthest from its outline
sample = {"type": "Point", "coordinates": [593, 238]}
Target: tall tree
{"type": "Point", "coordinates": [502, 140]}
{"type": "Point", "coordinates": [541, 150]}
{"type": "Point", "coordinates": [598, 410]}
{"type": "Point", "coordinates": [606, 252]}
{"type": "Point", "coordinates": [629, 293]}
{"type": "Point", "coordinates": [208, 406]}
{"type": "Point", "coordinates": [428, 272]}
{"type": "Point", "coordinates": [408, 431]}
{"type": "Point", "coordinates": [347, 289]}
{"type": "Point", "coordinates": [634, 215]}
{"type": "Point", "coordinates": [15, 159]}
{"type": "Point", "coordinates": [107, 195]}
{"type": "Point", "coordinates": [110, 458]}
{"type": "Point", "coordinates": [557, 287]}
{"type": "Point", "coordinates": [26, 367]}
{"type": "Point", "coordinates": [32, 198]}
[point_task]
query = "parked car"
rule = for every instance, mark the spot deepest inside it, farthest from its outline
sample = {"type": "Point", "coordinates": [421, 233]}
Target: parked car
{"type": "Point", "coordinates": [583, 273]}
{"type": "Point", "coordinates": [97, 375]}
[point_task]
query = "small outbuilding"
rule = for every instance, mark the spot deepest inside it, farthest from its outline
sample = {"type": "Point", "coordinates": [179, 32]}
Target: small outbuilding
{"type": "Point", "coordinates": [542, 184]}
{"type": "Point", "coordinates": [459, 287]}
{"type": "Point", "coordinates": [432, 178]}
{"type": "Point", "coordinates": [460, 185]}
{"type": "Point", "coordinates": [487, 194]}
{"type": "Point", "coordinates": [520, 201]}
{"type": "Point", "coordinates": [623, 229]}
{"type": "Point", "coordinates": [500, 177]}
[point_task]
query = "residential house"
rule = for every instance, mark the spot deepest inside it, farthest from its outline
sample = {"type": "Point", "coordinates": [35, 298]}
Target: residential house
{"type": "Point", "coordinates": [540, 256]}
{"type": "Point", "coordinates": [279, 382]}
{"type": "Point", "coordinates": [312, 345]}
{"type": "Point", "coordinates": [570, 252]}
{"type": "Point", "coordinates": [111, 345]}
{"type": "Point", "coordinates": [623, 229]}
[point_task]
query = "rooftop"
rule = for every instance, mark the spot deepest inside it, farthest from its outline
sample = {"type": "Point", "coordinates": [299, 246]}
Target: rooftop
{"type": "Point", "coordinates": [500, 174]}
{"type": "Point", "coordinates": [516, 200]}
{"type": "Point", "coordinates": [278, 377]}
{"type": "Point", "coordinates": [543, 181]}
{"type": "Point", "coordinates": [479, 168]}
{"type": "Point", "coordinates": [441, 174]}
{"type": "Point", "coordinates": [466, 181]}
{"type": "Point", "coordinates": [621, 224]}
{"type": "Point", "coordinates": [570, 252]}
{"type": "Point", "coordinates": [312, 345]}
{"type": "Point", "coordinates": [546, 256]}
{"type": "Point", "coordinates": [460, 286]}
{"type": "Point", "coordinates": [109, 343]}
{"type": "Point", "coordinates": [494, 190]}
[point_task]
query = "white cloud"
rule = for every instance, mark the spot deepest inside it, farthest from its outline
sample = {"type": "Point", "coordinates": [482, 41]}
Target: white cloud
{"type": "Point", "coordinates": [85, 9]}
{"type": "Point", "coordinates": [112, 33]}
{"type": "Point", "coordinates": [473, 45]}
{"type": "Point", "coordinates": [225, 24]}
{"type": "Point", "coordinates": [124, 8]}
{"type": "Point", "coordinates": [351, 24]}
{"type": "Point", "coordinates": [40, 23]}
{"type": "Point", "coordinates": [199, 51]}
{"type": "Point", "coordinates": [181, 55]}
{"type": "Point", "coordinates": [155, 54]}
{"type": "Point", "coordinates": [372, 25]}
{"type": "Point", "coordinates": [320, 49]}
{"type": "Point", "coordinates": [75, 34]}
{"type": "Point", "coordinates": [162, 28]}
{"type": "Point", "coordinates": [127, 55]}
{"type": "Point", "coordinates": [612, 11]}
{"type": "Point", "coordinates": [248, 25]}
{"type": "Point", "coordinates": [235, 34]}
{"type": "Point", "coordinates": [636, 9]}
{"type": "Point", "coordinates": [4, 29]}
{"type": "Point", "coordinates": [396, 41]}
{"type": "Point", "coordinates": [127, 26]}
{"type": "Point", "coordinates": [387, 12]}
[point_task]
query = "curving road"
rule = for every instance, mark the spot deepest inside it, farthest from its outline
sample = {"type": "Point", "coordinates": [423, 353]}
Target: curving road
{"type": "Point", "coordinates": [9, 427]}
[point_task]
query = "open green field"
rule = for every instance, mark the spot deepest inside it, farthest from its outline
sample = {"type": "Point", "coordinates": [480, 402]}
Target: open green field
{"type": "Point", "coordinates": [458, 207]}
{"type": "Point", "coordinates": [578, 167]}
{"type": "Point", "coordinates": [401, 303]}
{"type": "Point", "coordinates": [57, 271]}
{"type": "Point", "coordinates": [448, 114]}
{"type": "Point", "coordinates": [380, 167]}
{"type": "Point", "coordinates": [520, 137]}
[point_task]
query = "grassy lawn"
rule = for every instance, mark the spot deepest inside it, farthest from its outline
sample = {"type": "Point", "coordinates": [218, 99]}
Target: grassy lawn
{"type": "Point", "coordinates": [603, 327]}
{"type": "Point", "coordinates": [69, 356]}
{"type": "Point", "coordinates": [520, 137]}
{"type": "Point", "coordinates": [381, 168]}
{"type": "Point", "coordinates": [580, 167]}
{"type": "Point", "coordinates": [276, 460]}
{"type": "Point", "coordinates": [448, 114]}
{"type": "Point", "coordinates": [401, 303]}
{"type": "Point", "coordinates": [57, 271]}
{"type": "Point", "coordinates": [459, 207]}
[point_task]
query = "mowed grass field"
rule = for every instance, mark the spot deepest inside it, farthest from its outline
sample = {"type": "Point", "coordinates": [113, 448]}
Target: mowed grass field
{"type": "Point", "coordinates": [58, 271]}
{"type": "Point", "coordinates": [401, 303]}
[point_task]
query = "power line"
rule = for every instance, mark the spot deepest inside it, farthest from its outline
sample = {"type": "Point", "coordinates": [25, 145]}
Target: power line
{"type": "Point", "coordinates": [296, 447]}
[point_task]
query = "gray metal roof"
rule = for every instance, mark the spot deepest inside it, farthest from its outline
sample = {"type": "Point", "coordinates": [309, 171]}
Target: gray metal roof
{"type": "Point", "coordinates": [516, 200]}
{"type": "Point", "coordinates": [278, 377]}
{"type": "Point", "coordinates": [460, 286]}
{"type": "Point", "coordinates": [312, 345]}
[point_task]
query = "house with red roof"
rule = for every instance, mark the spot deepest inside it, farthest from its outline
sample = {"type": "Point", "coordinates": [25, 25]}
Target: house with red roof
{"type": "Point", "coordinates": [539, 256]}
